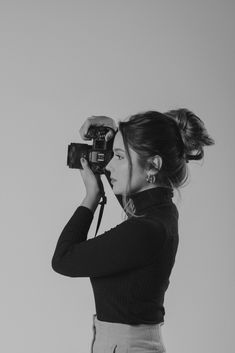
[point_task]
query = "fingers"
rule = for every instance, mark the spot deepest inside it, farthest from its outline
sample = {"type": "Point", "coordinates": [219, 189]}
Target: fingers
{"type": "Point", "coordinates": [93, 120]}
{"type": "Point", "coordinates": [109, 135]}
{"type": "Point", "coordinates": [84, 128]}
{"type": "Point", "coordinates": [98, 121]}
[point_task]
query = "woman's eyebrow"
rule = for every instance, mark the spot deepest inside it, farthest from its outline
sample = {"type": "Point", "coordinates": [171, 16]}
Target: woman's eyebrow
{"type": "Point", "coordinates": [118, 149]}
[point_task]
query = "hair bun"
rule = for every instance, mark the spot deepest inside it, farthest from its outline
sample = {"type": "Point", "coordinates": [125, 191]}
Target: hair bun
{"type": "Point", "coordinates": [192, 131]}
{"type": "Point", "coordinates": [182, 120]}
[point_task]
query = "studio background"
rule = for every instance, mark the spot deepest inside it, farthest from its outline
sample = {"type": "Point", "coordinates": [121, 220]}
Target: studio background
{"type": "Point", "coordinates": [63, 61]}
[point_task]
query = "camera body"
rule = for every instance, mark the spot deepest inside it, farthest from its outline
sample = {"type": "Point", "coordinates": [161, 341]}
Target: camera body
{"type": "Point", "coordinates": [98, 155]}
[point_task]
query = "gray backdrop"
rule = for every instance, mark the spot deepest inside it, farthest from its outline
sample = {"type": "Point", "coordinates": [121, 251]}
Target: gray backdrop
{"type": "Point", "coordinates": [63, 61]}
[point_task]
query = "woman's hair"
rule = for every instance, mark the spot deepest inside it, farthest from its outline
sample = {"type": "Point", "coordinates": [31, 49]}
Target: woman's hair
{"type": "Point", "coordinates": [177, 136]}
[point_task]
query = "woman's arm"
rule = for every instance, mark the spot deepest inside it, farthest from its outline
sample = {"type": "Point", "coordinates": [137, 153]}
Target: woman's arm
{"type": "Point", "coordinates": [131, 244]}
{"type": "Point", "coordinates": [91, 202]}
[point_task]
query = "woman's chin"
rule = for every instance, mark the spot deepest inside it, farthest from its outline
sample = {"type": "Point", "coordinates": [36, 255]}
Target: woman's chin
{"type": "Point", "coordinates": [115, 190]}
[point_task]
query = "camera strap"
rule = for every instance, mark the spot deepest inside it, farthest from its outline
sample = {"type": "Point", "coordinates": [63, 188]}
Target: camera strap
{"type": "Point", "coordinates": [102, 203]}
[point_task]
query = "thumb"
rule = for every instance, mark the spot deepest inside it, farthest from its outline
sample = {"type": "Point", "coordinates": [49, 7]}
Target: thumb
{"type": "Point", "coordinates": [83, 162]}
{"type": "Point", "coordinates": [108, 136]}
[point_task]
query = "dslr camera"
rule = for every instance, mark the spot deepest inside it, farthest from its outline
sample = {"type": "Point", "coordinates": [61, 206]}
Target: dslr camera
{"type": "Point", "coordinates": [98, 155]}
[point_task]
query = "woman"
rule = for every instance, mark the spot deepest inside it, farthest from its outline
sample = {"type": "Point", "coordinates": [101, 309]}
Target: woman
{"type": "Point", "coordinates": [129, 266]}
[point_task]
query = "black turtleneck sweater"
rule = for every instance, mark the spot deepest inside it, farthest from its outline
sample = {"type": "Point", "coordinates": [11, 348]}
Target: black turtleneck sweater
{"type": "Point", "coordinates": [129, 265]}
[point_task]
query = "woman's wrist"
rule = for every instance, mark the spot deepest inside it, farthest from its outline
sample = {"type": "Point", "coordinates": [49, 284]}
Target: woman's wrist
{"type": "Point", "coordinates": [91, 202]}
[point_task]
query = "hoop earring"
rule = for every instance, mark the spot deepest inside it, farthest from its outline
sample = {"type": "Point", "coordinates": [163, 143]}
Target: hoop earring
{"type": "Point", "coordinates": [151, 178]}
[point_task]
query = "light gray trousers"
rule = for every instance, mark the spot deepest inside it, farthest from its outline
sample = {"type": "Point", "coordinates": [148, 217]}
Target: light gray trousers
{"type": "Point", "coordinates": [109, 337]}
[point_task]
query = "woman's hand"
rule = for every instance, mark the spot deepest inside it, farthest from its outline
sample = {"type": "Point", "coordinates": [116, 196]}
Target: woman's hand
{"type": "Point", "coordinates": [98, 121]}
{"type": "Point", "coordinates": [93, 182]}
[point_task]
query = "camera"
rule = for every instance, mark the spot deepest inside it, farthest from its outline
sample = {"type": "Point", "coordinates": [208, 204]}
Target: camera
{"type": "Point", "coordinates": [98, 155]}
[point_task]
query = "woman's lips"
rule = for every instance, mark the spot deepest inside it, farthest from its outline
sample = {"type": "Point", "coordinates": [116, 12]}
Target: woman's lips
{"type": "Point", "coordinates": [113, 180]}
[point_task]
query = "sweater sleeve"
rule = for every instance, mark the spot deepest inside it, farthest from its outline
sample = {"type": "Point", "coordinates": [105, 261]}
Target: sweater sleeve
{"type": "Point", "coordinates": [131, 244]}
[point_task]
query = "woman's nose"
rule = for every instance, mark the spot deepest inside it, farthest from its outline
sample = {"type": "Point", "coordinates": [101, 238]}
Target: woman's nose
{"type": "Point", "coordinates": [108, 167]}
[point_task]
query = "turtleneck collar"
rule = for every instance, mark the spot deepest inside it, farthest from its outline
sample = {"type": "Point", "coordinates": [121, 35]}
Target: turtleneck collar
{"type": "Point", "coordinates": [153, 196]}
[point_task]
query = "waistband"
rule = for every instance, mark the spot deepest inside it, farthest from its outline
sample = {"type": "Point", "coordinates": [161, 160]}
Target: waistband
{"type": "Point", "coordinates": [120, 329]}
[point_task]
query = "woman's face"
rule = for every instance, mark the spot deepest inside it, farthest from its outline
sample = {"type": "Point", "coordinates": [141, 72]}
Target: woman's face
{"type": "Point", "coordinates": [119, 168]}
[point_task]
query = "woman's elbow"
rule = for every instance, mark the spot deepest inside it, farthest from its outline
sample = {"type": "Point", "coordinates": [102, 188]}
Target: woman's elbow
{"type": "Point", "coordinates": [58, 267]}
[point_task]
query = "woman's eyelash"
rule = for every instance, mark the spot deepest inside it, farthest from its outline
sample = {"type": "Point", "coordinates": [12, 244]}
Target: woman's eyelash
{"type": "Point", "coordinates": [118, 156]}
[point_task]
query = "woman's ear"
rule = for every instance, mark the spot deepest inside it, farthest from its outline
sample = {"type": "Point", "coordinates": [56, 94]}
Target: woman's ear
{"type": "Point", "coordinates": [156, 162]}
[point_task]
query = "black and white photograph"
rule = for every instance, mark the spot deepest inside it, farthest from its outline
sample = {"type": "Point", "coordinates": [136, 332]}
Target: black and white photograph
{"type": "Point", "coordinates": [117, 143]}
